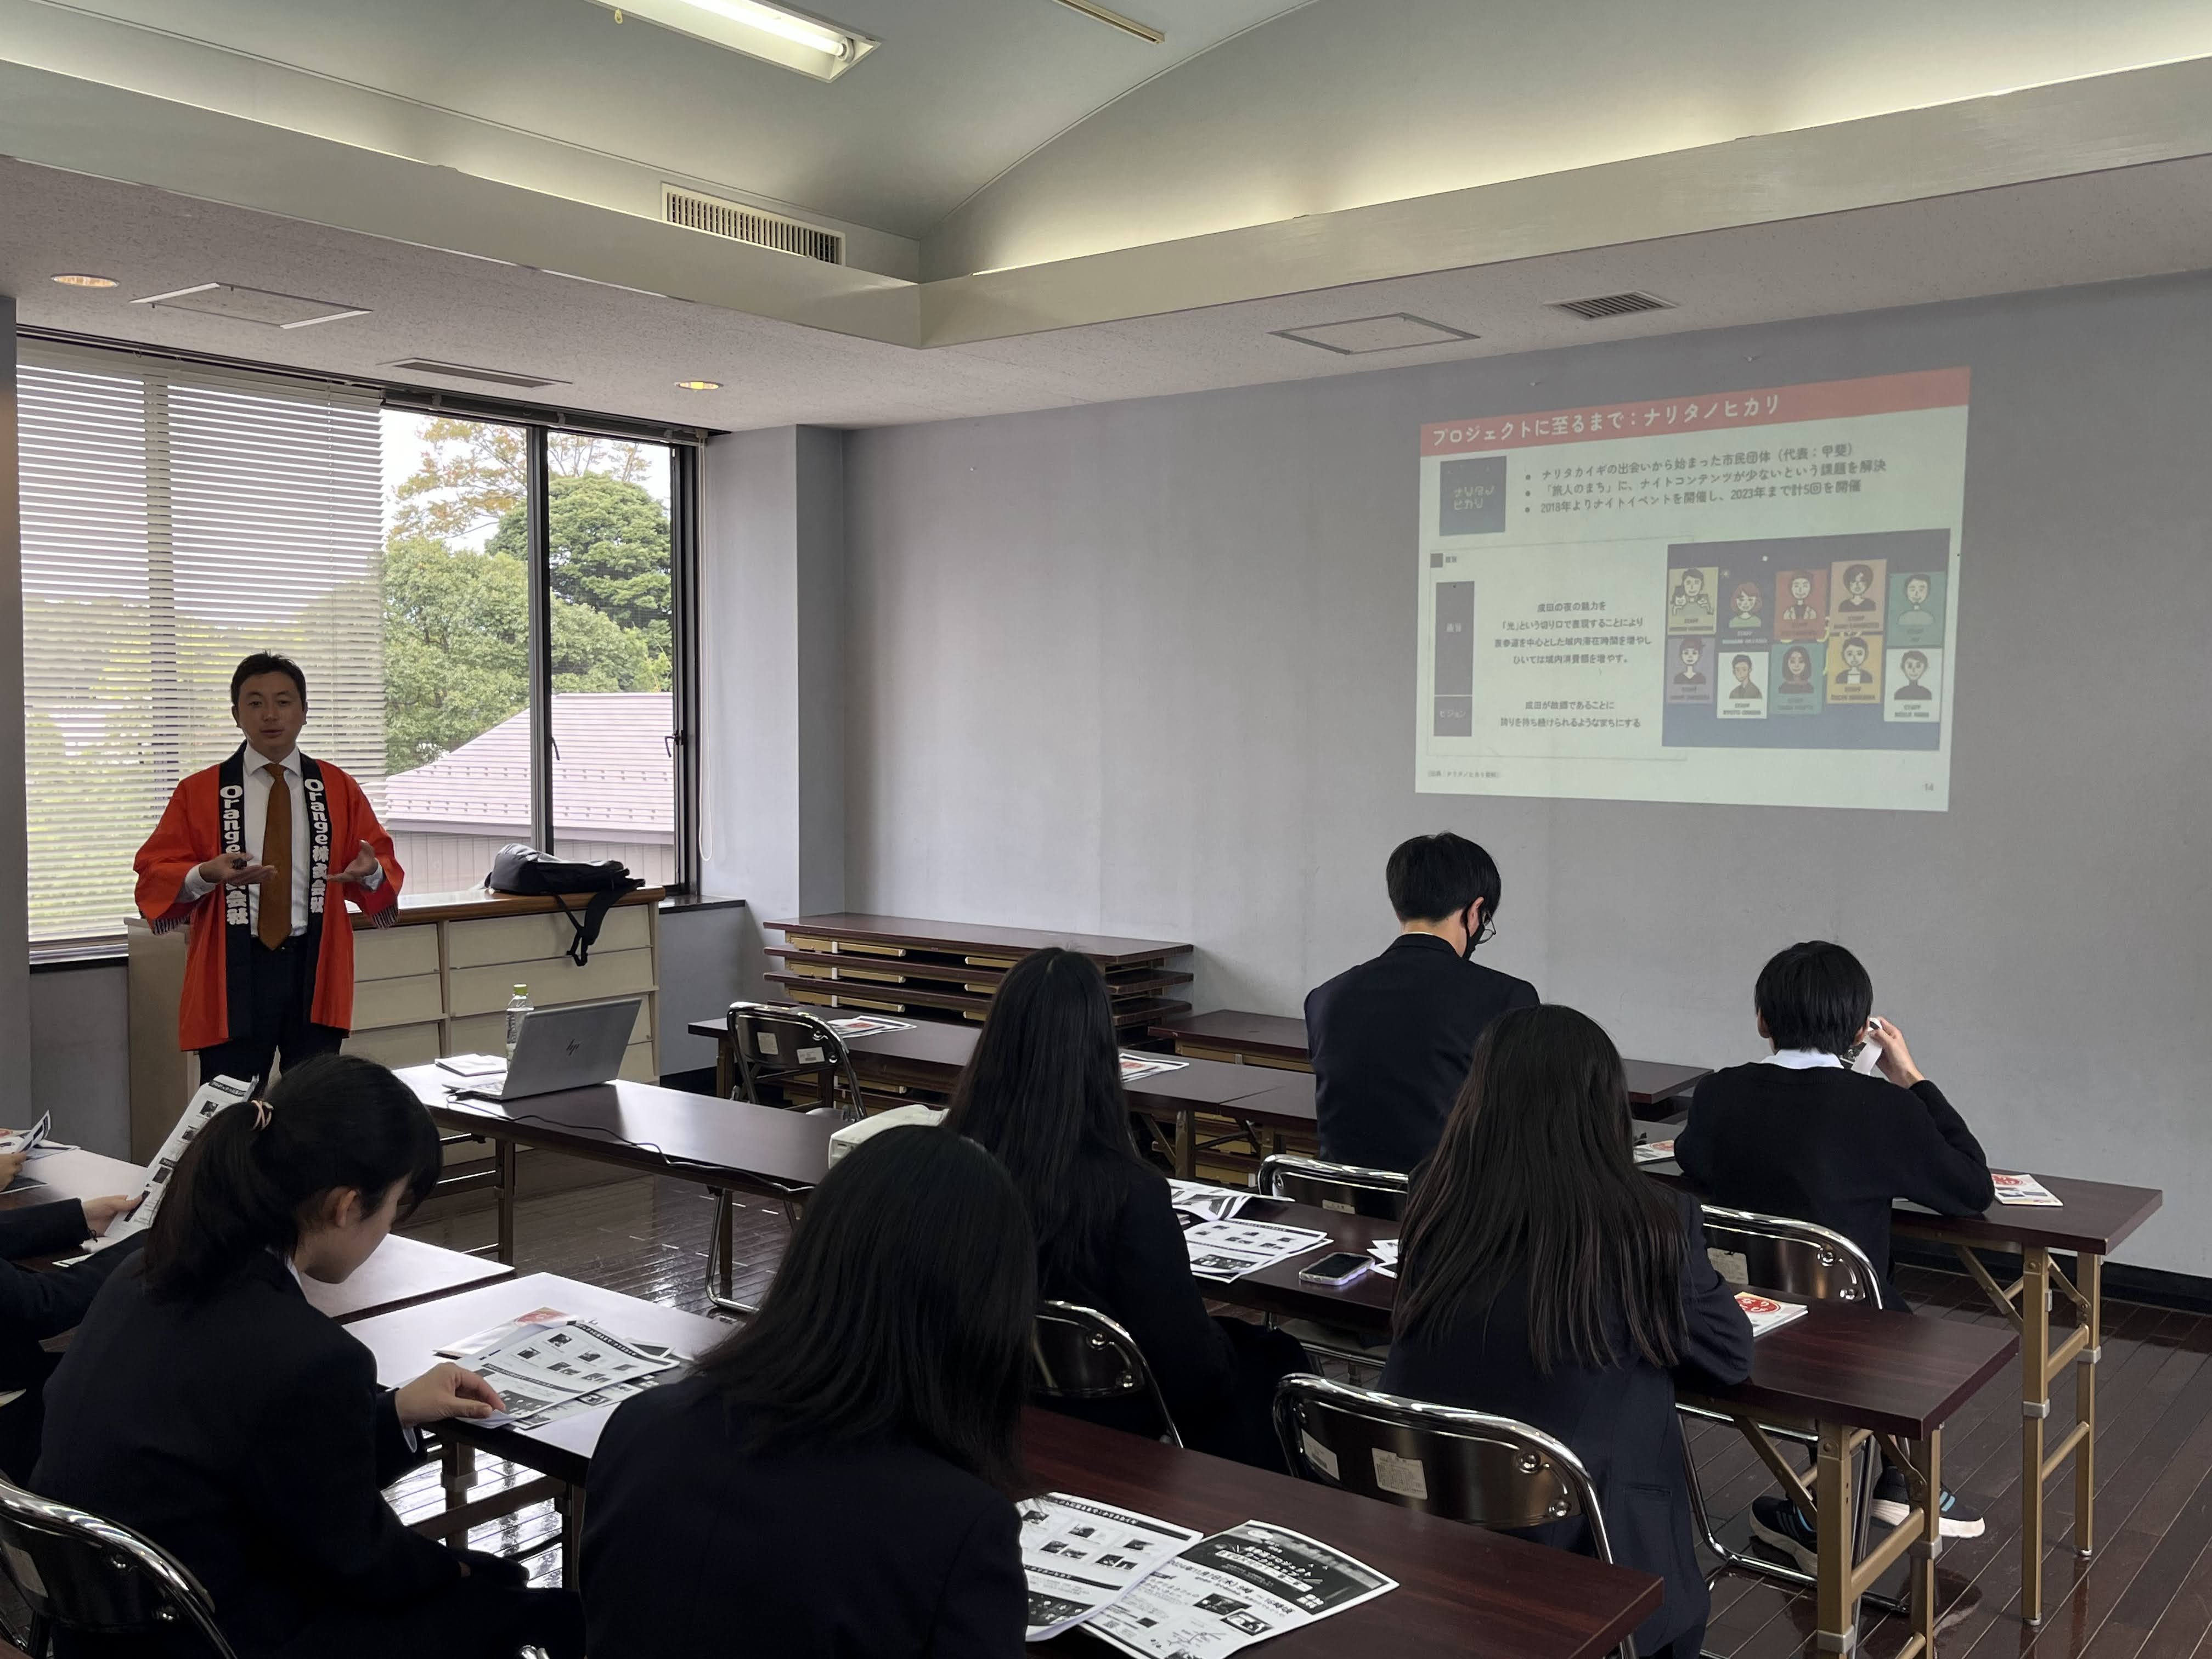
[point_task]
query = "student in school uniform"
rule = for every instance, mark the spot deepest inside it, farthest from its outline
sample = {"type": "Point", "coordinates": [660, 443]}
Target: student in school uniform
{"type": "Point", "coordinates": [835, 1479]}
{"type": "Point", "coordinates": [1391, 1038]}
{"type": "Point", "coordinates": [1800, 1134]}
{"type": "Point", "coordinates": [1043, 1093]}
{"type": "Point", "coordinates": [1544, 1279]}
{"type": "Point", "coordinates": [37, 1305]}
{"type": "Point", "coordinates": [206, 1403]}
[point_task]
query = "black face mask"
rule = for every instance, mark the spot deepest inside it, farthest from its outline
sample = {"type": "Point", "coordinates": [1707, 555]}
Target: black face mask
{"type": "Point", "coordinates": [1467, 954]}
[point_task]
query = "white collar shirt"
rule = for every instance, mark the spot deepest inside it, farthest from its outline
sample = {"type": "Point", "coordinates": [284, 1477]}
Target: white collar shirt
{"type": "Point", "coordinates": [1802, 1059]}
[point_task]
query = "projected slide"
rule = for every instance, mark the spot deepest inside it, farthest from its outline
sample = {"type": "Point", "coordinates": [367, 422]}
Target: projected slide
{"type": "Point", "coordinates": [1747, 597]}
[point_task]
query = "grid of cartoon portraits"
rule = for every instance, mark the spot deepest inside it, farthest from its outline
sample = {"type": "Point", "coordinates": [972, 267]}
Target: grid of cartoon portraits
{"type": "Point", "coordinates": [1782, 640]}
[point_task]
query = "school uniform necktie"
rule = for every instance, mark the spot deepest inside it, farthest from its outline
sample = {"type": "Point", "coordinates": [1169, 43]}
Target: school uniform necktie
{"type": "Point", "coordinates": [276, 853]}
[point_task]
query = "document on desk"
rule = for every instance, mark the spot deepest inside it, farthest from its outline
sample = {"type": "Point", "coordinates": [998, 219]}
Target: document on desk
{"type": "Point", "coordinates": [1080, 1555]}
{"type": "Point", "coordinates": [1232, 1589]}
{"type": "Point", "coordinates": [1654, 1151]}
{"type": "Point", "coordinates": [1384, 1253]}
{"type": "Point", "coordinates": [1765, 1313]}
{"type": "Point", "coordinates": [1230, 1249]}
{"type": "Point", "coordinates": [861, 1025]}
{"type": "Point", "coordinates": [2025, 1190]}
{"type": "Point", "coordinates": [214, 1095]}
{"type": "Point", "coordinates": [1139, 1065]}
{"type": "Point", "coordinates": [547, 1365]}
{"type": "Point", "coordinates": [1207, 1203]}
{"type": "Point", "coordinates": [23, 1140]}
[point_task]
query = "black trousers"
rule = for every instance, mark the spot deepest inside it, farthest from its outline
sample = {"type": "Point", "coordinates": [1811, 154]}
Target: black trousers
{"type": "Point", "coordinates": [274, 1023]}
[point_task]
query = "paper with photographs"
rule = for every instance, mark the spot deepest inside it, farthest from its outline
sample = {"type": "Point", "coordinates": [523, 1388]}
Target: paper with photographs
{"type": "Point", "coordinates": [1238, 1587]}
{"type": "Point", "coordinates": [23, 1140]}
{"type": "Point", "coordinates": [1230, 1249]}
{"type": "Point", "coordinates": [1134, 1066]}
{"type": "Point", "coordinates": [214, 1095]}
{"type": "Point", "coordinates": [861, 1025]}
{"type": "Point", "coordinates": [1207, 1203]}
{"type": "Point", "coordinates": [1080, 1555]}
{"type": "Point", "coordinates": [547, 1365]}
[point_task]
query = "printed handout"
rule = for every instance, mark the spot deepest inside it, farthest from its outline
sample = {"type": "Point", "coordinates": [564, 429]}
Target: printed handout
{"type": "Point", "coordinates": [1142, 1065]}
{"type": "Point", "coordinates": [547, 1365]}
{"type": "Point", "coordinates": [1080, 1555]}
{"type": "Point", "coordinates": [22, 1140]}
{"type": "Point", "coordinates": [1230, 1249]}
{"type": "Point", "coordinates": [1654, 1151]}
{"type": "Point", "coordinates": [1765, 1313]}
{"type": "Point", "coordinates": [1206, 1203]}
{"type": "Point", "coordinates": [1232, 1589]}
{"type": "Point", "coordinates": [861, 1025]}
{"type": "Point", "coordinates": [1385, 1254]}
{"type": "Point", "coordinates": [2025, 1190]}
{"type": "Point", "coordinates": [213, 1097]}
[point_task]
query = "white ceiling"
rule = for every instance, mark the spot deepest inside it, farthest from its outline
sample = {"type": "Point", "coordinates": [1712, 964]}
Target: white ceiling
{"type": "Point", "coordinates": [624, 350]}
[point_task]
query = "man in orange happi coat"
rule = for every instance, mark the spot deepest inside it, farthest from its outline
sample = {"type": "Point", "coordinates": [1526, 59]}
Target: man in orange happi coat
{"type": "Point", "coordinates": [248, 854]}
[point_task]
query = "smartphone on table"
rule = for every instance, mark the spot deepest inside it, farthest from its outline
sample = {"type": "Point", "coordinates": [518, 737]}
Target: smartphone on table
{"type": "Point", "coordinates": [1334, 1271]}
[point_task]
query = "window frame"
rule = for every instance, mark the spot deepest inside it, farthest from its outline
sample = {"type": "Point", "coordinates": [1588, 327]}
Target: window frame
{"type": "Point", "coordinates": [538, 423]}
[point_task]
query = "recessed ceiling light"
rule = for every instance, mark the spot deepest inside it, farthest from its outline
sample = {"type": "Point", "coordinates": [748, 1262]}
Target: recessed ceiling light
{"type": "Point", "coordinates": [824, 50]}
{"type": "Point", "coordinates": [698, 386]}
{"type": "Point", "coordinates": [78, 279]}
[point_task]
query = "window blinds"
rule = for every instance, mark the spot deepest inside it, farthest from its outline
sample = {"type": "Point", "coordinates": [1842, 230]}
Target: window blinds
{"type": "Point", "coordinates": [176, 518]}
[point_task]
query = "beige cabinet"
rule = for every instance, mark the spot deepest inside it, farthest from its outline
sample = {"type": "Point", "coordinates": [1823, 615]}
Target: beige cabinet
{"type": "Point", "coordinates": [436, 983]}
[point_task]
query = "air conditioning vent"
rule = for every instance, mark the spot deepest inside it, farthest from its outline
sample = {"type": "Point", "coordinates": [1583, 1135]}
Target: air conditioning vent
{"type": "Point", "coordinates": [464, 371]}
{"type": "Point", "coordinates": [1613, 305]}
{"type": "Point", "coordinates": [744, 224]}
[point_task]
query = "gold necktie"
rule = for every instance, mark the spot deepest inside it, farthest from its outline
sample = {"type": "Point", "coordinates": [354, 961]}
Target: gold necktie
{"type": "Point", "coordinates": [276, 853]}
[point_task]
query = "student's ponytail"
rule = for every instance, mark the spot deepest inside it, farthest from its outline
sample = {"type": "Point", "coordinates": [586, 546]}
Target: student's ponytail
{"type": "Point", "coordinates": [244, 1182]}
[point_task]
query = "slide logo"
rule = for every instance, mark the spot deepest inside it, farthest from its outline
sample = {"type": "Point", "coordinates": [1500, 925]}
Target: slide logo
{"type": "Point", "coordinates": [1472, 497]}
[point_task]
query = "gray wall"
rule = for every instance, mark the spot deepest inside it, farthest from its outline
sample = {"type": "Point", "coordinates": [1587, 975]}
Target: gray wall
{"type": "Point", "coordinates": [1147, 668]}
{"type": "Point", "coordinates": [80, 1067]}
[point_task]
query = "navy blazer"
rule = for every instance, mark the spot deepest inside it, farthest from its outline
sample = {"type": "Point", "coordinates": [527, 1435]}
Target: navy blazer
{"type": "Point", "coordinates": [692, 1545]}
{"type": "Point", "coordinates": [244, 1432]}
{"type": "Point", "coordinates": [1391, 1041]}
{"type": "Point", "coordinates": [35, 1305]}
{"type": "Point", "coordinates": [1620, 1420]}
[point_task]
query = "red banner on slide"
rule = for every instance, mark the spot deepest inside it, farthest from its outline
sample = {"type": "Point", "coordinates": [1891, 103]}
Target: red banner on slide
{"type": "Point", "coordinates": [1656, 418]}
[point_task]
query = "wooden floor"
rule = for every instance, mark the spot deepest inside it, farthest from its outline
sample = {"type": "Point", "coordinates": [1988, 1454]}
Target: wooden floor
{"type": "Point", "coordinates": [2146, 1594]}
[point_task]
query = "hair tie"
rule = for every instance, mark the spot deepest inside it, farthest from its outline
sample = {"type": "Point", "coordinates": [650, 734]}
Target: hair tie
{"type": "Point", "coordinates": [260, 1113]}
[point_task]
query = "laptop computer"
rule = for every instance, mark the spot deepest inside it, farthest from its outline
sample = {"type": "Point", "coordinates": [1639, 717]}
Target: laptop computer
{"type": "Point", "coordinates": [561, 1049]}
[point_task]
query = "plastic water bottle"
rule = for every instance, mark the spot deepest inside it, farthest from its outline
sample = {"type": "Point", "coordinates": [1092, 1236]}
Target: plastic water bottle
{"type": "Point", "coordinates": [517, 1006]}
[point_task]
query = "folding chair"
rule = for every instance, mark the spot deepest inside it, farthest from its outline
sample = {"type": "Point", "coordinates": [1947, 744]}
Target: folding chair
{"type": "Point", "coordinates": [1079, 1354]}
{"type": "Point", "coordinates": [778, 1048]}
{"type": "Point", "coordinates": [1355, 1191]}
{"type": "Point", "coordinates": [78, 1573]}
{"type": "Point", "coordinates": [1441, 1460]}
{"type": "Point", "coordinates": [1807, 1263]}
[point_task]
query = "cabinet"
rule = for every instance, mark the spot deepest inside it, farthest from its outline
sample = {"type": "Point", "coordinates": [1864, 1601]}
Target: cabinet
{"type": "Point", "coordinates": [436, 982]}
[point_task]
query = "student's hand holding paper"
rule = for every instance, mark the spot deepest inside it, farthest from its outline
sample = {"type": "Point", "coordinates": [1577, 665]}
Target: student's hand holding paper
{"type": "Point", "coordinates": [99, 1213]}
{"type": "Point", "coordinates": [11, 1164]}
{"type": "Point", "coordinates": [1896, 1060]}
{"type": "Point", "coordinates": [446, 1390]}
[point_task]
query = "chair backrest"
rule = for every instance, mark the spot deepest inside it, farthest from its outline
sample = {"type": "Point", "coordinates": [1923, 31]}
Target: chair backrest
{"type": "Point", "coordinates": [1343, 1186]}
{"type": "Point", "coordinates": [78, 1573]}
{"type": "Point", "coordinates": [1079, 1354]}
{"type": "Point", "coordinates": [1461, 1465]}
{"type": "Point", "coordinates": [1799, 1259]}
{"type": "Point", "coordinates": [792, 1047]}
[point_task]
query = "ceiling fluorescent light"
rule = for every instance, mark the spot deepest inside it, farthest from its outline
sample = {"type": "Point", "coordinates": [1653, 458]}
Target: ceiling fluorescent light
{"type": "Point", "coordinates": [1143, 32]}
{"type": "Point", "coordinates": [773, 33]}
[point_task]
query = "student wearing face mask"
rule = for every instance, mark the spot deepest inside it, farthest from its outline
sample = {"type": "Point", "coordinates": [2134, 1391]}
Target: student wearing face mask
{"type": "Point", "coordinates": [207, 1403]}
{"type": "Point", "coordinates": [1391, 1039]}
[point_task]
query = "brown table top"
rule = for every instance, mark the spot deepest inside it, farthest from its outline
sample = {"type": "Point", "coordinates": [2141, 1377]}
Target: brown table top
{"type": "Point", "coordinates": [1891, 1371]}
{"type": "Point", "coordinates": [55, 1175]}
{"type": "Point", "coordinates": [470, 903]}
{"type": "Point", "coordinates": [2095, 1216]}
{"type": "Point", "coordinates": [1283, 1037]}
{"type": "Point", "coordinates": [645, 1126]}
{"type": "Point", "coordinates": [402, 1272]}
{"type": "Point", "coordinates": [1462, 1590]}
{"type": "Point", "coordinates": [405, 1344]}
{"type": "Point", "coordinates": [1121, 981]}
{"type": "Point", "coordinates": [974, 939]}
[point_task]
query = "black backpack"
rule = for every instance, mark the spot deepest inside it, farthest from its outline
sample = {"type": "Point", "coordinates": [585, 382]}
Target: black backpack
{"type": "Point", "coordinates": [519, 869]}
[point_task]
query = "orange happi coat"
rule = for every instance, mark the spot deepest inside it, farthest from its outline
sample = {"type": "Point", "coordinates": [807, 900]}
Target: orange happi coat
{"type": "Point", "coordinates": [196, 827]}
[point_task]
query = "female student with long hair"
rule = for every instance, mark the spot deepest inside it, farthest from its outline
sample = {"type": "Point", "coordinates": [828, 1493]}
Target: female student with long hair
{"type": "Point", "coordinates": [206, 1403]}
{"type": "Point", "coordinates": [1544, 1279]}
{"type": "Point", "coordinates": [1043, 1093]}
{"type": "Point", "coordinates": [835, 1479]}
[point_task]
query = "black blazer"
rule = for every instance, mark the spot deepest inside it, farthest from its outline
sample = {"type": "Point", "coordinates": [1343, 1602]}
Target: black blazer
{"type": "Point", "coordinates": [1620, 1420]}
{"type": "Point", "coordinates": [245, 1433]}
{"type": "Point", "coordinates": [1833, 1146]}
{"type": "Point", "coordinates": [34, 1306]}
{"type": "Point", "coordinates": [884, 1550]}
{"type": "Point", "coordinates": [1391, 1040]}
{"type": "Point", "coordinates": [1138, 1274]}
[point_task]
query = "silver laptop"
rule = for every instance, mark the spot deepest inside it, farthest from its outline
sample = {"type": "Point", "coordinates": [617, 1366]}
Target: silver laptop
{"type": "Point", "coordinates": [561, 1049]}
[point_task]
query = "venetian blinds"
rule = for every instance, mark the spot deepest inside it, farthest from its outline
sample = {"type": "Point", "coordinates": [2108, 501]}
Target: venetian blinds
{"type": "Point", "coordinates": [176, 518]}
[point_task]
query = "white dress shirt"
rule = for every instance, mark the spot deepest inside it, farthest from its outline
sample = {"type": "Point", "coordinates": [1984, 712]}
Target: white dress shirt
{"type": "Point", "coordinates": [255, 808]}
{"type": "Point", "coordinates": [1802, 1059]}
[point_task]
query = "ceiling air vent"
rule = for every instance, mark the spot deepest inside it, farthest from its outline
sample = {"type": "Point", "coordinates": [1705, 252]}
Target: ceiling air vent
{"type": "Point", "coordinates": [1613, 305]}
{"type": "Point", "coordinates": [740, 223]}
{"type": "Point", "coordinates": [465, 372]}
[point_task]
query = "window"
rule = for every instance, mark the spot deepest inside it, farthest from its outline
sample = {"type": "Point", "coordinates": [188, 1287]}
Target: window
{"type": "Point", "coordinates": [177, 516]}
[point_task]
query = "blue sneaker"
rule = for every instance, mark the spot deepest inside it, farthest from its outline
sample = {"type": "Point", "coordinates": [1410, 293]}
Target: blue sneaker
{"type": "Point", "coordinates": [1776, 1522]}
